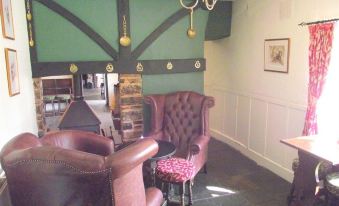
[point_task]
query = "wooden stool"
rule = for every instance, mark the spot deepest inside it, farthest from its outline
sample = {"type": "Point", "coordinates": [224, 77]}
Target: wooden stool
{"type": "Point", "coordinates": [176, 171]}
{"type": "Point", "coordinates": [332, 188]}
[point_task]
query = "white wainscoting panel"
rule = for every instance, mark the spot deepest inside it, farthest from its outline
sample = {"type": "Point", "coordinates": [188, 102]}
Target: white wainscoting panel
{"type": "Point", "coordinates": [258, 126]}
{"type": "Point", "coordinates": [276, 130]}
{"type": "Point", "coordinates": [295, 126]}
{"type": "Point", "coordinates": [243, 117]}
{"type": "Point", "coordinates": [216, 113]}
{"type": "Point", "coordinates": [254, 125]}
{"type": "Point", "coordinates": [230, 114]}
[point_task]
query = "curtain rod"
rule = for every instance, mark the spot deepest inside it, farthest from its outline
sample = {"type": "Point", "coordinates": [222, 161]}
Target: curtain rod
{"type": "Point", "coordinates": [317, 22]}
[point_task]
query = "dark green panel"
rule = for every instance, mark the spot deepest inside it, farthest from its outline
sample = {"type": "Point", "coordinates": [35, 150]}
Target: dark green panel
{"type": "Point", "coordinates": [58, 40]}
{"type": "Point", "coordinates": [143, 22]}
{"type": "Point", "coordinates": [165, 83]}
{"type": "Point", "coordinates": [174, 43]}
{"type": "Point", "coordinates": [100, 15]}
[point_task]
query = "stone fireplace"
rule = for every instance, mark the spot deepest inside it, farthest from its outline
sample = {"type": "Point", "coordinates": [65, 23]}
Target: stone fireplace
{"type": "Point", "coordinates": [129, 106]}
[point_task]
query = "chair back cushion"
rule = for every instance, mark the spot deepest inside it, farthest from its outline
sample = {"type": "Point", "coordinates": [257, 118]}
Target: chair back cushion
{"type": "Point", "coordinates": [182, 119]}
{"type": "Point", "coordinates": [79, 140]}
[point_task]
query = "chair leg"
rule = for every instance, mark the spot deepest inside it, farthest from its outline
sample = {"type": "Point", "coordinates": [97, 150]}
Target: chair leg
{"type": "Point", "coordinates": [182, 194]}
{"type": "Point", "coordinates": [168, 189]}
{"type": "Point", "coordinates": [190, 194]}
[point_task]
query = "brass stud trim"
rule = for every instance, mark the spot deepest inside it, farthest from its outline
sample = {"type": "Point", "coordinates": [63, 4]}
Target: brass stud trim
{"type": "Point", "coordinates": [73, 68]}
{"type": "Point", "coordinates": [169, 66]}
{"type": "Point", "coordinates": [197, 64]}
{"type": "Point", "coordinates": [109, 67]}
{"type": "Point", "coordinates": [139, 67]}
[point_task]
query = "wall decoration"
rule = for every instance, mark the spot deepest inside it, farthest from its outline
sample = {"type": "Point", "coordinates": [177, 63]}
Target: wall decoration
{"type": "Point", "coordinates": [125, 60]}
{"type": "Point", "coordinates": [277, 55]}
{"type": "Point", "coordinates": [12, 72]}
{"type": "Point", "coordinates": [125, 40]}
{"type": "Point", "coordinates": [7, 19]}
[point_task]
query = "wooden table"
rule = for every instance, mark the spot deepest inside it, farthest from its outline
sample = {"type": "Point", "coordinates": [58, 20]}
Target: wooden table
{"type": "Point", "coordinates": [311, 150]}
{"type": "Point", "coordinates": [166, 150]}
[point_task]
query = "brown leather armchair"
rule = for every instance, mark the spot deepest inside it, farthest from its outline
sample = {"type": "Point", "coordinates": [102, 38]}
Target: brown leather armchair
{"type": "Point", "coordinates": [77, 168]}
{"type": "Point", "coordinates": [182, 118]}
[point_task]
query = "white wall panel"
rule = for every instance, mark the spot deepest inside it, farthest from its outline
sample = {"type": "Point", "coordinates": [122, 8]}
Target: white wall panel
{"type": "Point", "coordinates": [236, 64]}
{"type": "Point", "coordinates": [294, 129]}
{"type": "Point", "coordinates": [230, 114]}
{"type": "Point", "coordinates": [276, 130]}
{"type": "Point", "coordinates": [17, 112]}
{"type": "Point", "coordinates": [217, 112]}
{"type": "Point", "coordinates": [296, 121]}
{"type": "Point", "coordinates": [255, 125]}
{"type": "Point", "coordinates": [213, 110]}
{"type": "Point", "coordinates": [258, 126]}
{"type": "Point", "coordinates": [243, 116]}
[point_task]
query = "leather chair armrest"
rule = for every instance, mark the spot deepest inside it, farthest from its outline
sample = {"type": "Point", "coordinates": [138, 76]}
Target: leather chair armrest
{"type": "Point", "coordinates": [22, 141]}
{"type": "Point", "coordinates": [198, 143]}
{"type": "Point", "coordinates": [154, 197]}
{"type": "Point", "coordinates": [130, 157]}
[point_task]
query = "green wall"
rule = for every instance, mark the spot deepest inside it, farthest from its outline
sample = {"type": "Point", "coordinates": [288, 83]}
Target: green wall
{"type": "Point", "coordinates": [58, 40]}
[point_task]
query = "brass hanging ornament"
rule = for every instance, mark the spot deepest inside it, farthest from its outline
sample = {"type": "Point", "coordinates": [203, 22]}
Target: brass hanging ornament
{"type": "Point", "coordinates": [124, 40]}
{"type": "Point", "coordinates": [191, 33]}
{"type": "Point", "coordinates": [29, 18]}
{"type": "Point", "coordinates": [29, 14]}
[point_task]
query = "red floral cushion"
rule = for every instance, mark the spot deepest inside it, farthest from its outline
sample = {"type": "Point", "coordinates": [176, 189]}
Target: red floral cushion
{"type": "Point", "coordinates": [174, 170]}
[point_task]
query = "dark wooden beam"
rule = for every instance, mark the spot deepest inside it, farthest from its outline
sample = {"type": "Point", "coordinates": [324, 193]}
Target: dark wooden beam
{"type": "Point", "coordinates": [161, 66]}
{"type": "Point", "coordinates": [86, 29]}
{"type": "Point", "coordinates": [42, 69]}
{"type": "Point", "coordinates": [123, 12]}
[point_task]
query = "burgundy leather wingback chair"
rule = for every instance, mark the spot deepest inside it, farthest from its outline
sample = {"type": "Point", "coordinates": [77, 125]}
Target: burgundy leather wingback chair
{"type": "Point", "coordinates": [77, 168]}
{"type": "Point", "coordinates": [182, 118]}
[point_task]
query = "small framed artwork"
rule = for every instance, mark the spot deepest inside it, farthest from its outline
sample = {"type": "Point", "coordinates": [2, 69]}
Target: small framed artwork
{"type": "Point", "coordinates": [12, 72]}
{"type": "Point", "coordinates": [7, 19]}
{"type": "Point", "coordinates": [277, 55]}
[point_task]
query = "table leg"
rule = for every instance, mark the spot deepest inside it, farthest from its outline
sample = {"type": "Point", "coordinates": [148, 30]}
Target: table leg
{"type": "Point", "coordinates": [302, 193]}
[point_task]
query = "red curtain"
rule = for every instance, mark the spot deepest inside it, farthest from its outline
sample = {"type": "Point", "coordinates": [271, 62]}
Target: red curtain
{"type": "Point", "coordinates": [321, 36]}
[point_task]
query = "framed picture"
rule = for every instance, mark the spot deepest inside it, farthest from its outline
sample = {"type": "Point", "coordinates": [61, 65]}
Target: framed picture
{"type": "Point", "coordinates": [7, 19]}
{"type": "Point", "coordinates": [12, 72]}
{"type": "Point", "coordinates": [277, 55]}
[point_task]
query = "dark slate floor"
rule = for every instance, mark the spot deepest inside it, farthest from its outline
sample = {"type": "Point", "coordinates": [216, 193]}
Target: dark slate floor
{"type": "Point", "coordinates": [234, 180]}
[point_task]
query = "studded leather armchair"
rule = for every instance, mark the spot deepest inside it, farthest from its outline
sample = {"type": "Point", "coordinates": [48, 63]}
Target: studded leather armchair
{"type": "Point", "coordinates": [182, 118]}
{"type": "Point", "coordinates": [77, 168]}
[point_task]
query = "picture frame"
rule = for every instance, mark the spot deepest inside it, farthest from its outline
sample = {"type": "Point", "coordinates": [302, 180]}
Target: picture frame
{"type": "Point", "coordinates": [12, 72]}
{"type": "Point", "coordinates": [276, 55]}
{"type": "Point", "coordinates": [7, 19]}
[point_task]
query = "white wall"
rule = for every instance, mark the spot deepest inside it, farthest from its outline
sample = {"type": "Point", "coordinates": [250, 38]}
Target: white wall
{"type": "Point", "coordinates": [255, 109]}
{"type": "Point", "coordinates": [17, 113]}
{"type": "Point", "coordinates": [112, 79]}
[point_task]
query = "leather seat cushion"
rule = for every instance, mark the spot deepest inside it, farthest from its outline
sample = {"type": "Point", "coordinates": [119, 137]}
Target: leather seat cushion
{"type": "Point", "coordinates": [175, 170]}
